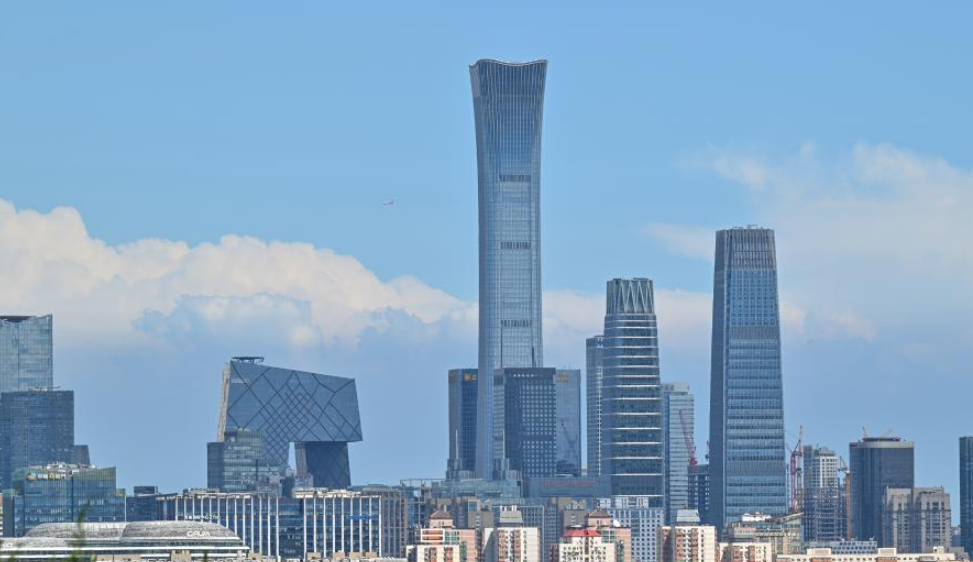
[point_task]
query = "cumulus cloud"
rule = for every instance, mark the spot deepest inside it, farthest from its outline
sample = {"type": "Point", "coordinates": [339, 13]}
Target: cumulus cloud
{"type": "Point", "coordinates": [49, 262]}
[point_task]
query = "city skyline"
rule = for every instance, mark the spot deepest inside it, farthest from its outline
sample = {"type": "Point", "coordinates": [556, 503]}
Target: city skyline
{"type": "Point", "coordinates": [142, 318]}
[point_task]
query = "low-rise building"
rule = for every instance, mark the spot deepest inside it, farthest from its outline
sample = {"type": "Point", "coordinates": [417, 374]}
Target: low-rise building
{"type": "Point", "coordinates": [784, 533]}
{"type": "Point", "coordinates": [688, 542]}
{"type": "Point", "coordinates": [152, 540]}
{"type": "Point", "coordinates": [746, 552]}
{"type": "Point", "coordinates": [510, 541]}
{"type": "Point", "coordinates": [938, 554]}
{"type": "Point", "coordinates": [442, 542]}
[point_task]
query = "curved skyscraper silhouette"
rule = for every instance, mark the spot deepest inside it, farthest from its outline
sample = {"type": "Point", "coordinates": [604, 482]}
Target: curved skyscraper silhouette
{"type": "Point", "coordinates": [508, 103]}
{"type": "Point", "coordinates": [747, 450]}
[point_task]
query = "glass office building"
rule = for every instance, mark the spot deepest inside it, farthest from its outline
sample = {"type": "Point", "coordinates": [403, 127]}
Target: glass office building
{"type": "Point", "coordinates": [526, 401]}
{"type": "Point", "coordinates": [747, 452]}
{"type": "Point", "coordinates": [61, 493]}
{"type": "Point", "coordinates": [631, 422]}
{"type": "Point", "coordinates": [26, 352]}
{"type": "Point", "coordinates": [966, 492]}
{"type": "Point", "coordinates": [567, 402]}
{"type": "Point", "coordinates": [36, 429]}
{"type": "Point", "coordinates": [593, 382]}
{"type": "Point", "coordinates": [238, 463]}
{"type": "Point", "coordinates": [678, 426]}
{"type": "Point", "coordinates": [508, 105]}
{"type": "Point", "coordinates": [877, 464]}
{"type": "Point", "coordinates": [462, 423]}
{"type": "Point", "coordinates": [318, 413]}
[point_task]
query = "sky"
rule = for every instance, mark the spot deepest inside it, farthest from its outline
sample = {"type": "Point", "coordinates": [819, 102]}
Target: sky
{"type": "Point", "coordinates": [182, 182]}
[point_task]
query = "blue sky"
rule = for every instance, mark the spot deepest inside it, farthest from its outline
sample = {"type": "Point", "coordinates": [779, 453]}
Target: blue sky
{"type": "Point", "coordinates": [185, 181]}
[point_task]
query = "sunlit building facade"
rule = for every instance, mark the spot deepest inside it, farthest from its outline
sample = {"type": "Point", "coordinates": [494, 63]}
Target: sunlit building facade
{"type": "Point", "coordinates": [508, 105]}
{"type": "Point", "coordinates": [747, 451]}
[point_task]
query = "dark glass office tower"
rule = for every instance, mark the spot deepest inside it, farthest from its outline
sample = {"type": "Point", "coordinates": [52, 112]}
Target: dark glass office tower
{"type": "Point", "coordinates": [877, 463]}
{"type": "Point", "coordinates": [36, 429]}
{"type": "Point", "coordinates": [631, 409]}
{"type": "Point", "coordinates": [526, 406]}
{"type": "Point", "coordinates": [567, 390]}
{"type": "Point", "coordinates": [966, 491]}
{"type": "Point", "coordinates": [678, 426]}
{"type": "Point", "coordinates": [26, 353]}
{"type": "Point", "coordinates": [508, 104]}
{"type": "Point", "coordinates": [238, 463]}
{"type": "Point", "coordinates": [747, 452]}
{"type": "Point", "coordinates": [318, 413]}
{"type": "Point", "coordinates": [593, 349]}
{"type": "Point", "coordinates": [462, 423]}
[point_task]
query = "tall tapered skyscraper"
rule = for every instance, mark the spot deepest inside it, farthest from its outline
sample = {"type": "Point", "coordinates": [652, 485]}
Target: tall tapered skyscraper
{"type": "Point", "coordinates": [593, 349]}
{"type": "Point", "coordinates": [631, 412]}
{"type": "Point", "coordinates": [508, 104]}
{"type": "Point", "coordinates": [747, 451]}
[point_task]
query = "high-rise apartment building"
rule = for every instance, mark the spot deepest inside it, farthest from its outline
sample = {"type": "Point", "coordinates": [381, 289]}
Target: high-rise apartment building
{"type": "Point", "coordinates": [463, 385]}
{"type": "Point", "coordinates": [747, 450]}
{"type": "Point", "coordinates": [441, 541]}
{"type": "Point", "coordinates": [916, 519]}
{"type": "Point", "coordinates": [682, 542]}
{"type": "Point", "coordinates": [508, 105]}
{"type": "Point", "coordinates": [510, 540]}
{"type": "Point", "coordinates": [318, 413]}
{"type": "Point", "coordinates": [593, 382]}
{"type": "Point", "coordinates": [36, 429]}
{"type": "Point", "coordinates": [567, 401]}
{"type": "Point", "coordinates": [525, 404]}
{"type": "Point", "coordinates": [26, 353]}
{"type": "Point", "coordinates": [631, 439]}
{"type": "Point", "coordinates": [876, 464]}
{"type": "Point", "coordinates": [823, 501]}
{"type": "Point", "coordinates": [639, 514]}
{"type": "Point", "coordinates": [579, 544]}
{"type": "Point", "coordinates": [966, 492]}
{"type": "Point", "coordinates": [677, 438]}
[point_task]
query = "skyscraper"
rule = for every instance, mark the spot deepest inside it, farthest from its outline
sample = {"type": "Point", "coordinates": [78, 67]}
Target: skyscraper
{"type": "Point", "coordinates": [823, 504]}
{"type": "Point", "coordinates": [26, 353]}
{"type": "Point", "coordinates": [462, 423]}
{"type": "Point", "coordinates": [36, 429]}
{"type": "Point", "coordinates": [966, 491]}
{"type": "Point", "coordinates": [747, 451]}
{"type": "Point", "coordinates": [508, 105]}
{"type": "Point", "coordinates": [526, 406]}
{"type": "Point", "coordinates": [677, 431]}
{"type": "Point", "coordinates": [318, 413]}
{"type": "Point", "coordinates": [238, 463]}
{"type": "Point", "coordinates": [593, 373]}
{"type": "Point", "coordinates": [567, 403]}
{"type": "Point", "coordinates": [916, 519]}
{"type": "Point", "coordinates": [877, 463]}
{"type": "Point", "coordinates": [631, 439]}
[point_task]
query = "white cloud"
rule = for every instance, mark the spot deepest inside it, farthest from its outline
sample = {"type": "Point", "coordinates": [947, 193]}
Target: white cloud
{"type": "Point", "coordinates": [49, 263]}
{"type": "Point", "coordinates": [864, 241]}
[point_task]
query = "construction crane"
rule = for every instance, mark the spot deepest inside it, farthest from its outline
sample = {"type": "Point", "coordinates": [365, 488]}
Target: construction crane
{"type": "Point", "coordinates": [688, 438]}
{"type": "Point", "coordinates": [796, 469]}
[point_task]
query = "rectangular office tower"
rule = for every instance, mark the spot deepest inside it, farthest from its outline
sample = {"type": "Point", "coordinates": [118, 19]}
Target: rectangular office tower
{"type": "Point", "coordinates": [462, 424]}
{"type": "Point", "coordinates": [966, 492]}
{"type": "Point", "coordinates": [508, 105]}
{"type": "Point", "coordinates": [747, 452]}
{"type": "Point", "coordinates": [877, 463]}
{"type": "Point", "coordinates": [567, 403]}
{"type": "Point", "coordinates": [593, 370]}
{"type": "Point", "coordinates": [26, 352]}
{"type": "Point", "coordinates": [525, 400]}
{"type": "Point", "coordinates": [631, 409]}
{"type": "Point", "coordinates": [677, 438]}
{"type": "Point", "coordinates": [36, 429]}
